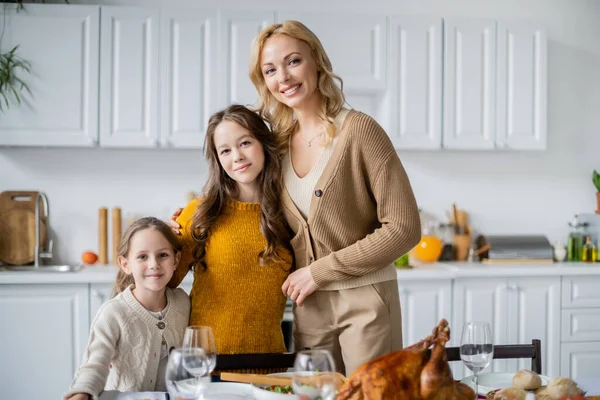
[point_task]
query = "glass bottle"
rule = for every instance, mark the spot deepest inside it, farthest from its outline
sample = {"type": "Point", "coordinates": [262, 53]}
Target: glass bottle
{"type": "Point", "coordinates": [446, 233]}
{"type": "Point", "coordinates": [575, 240]}
{"type": "Point", "coordinates": [589, 252]}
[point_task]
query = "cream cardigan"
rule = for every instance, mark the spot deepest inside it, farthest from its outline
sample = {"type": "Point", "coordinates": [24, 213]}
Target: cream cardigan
{"type": "Point", "coordinates": [127, 336]}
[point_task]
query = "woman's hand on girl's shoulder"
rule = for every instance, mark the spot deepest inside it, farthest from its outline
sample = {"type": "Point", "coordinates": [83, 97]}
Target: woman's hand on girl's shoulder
{"type": "Point", "coordinates": [79, 396]}
{"type": "Point", "coordinates": [173, 224]}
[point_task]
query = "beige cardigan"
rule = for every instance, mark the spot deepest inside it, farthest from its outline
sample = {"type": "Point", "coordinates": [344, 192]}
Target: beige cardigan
{"type": "Point", "coordinates": [363, 214]}
{"type": "Point", "coordinates": [127, 336]}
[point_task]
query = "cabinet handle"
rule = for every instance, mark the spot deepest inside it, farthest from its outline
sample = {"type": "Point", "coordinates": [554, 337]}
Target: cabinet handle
{"type": "Point", "coordinates": [98, 295]}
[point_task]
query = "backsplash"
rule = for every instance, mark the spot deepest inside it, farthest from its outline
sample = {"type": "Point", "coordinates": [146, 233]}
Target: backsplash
{"type": "Point", "coordinates": [503, 192]}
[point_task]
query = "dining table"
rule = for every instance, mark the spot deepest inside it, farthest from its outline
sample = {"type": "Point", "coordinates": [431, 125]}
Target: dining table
{"type": "Point", "coordinates": [243, 391]}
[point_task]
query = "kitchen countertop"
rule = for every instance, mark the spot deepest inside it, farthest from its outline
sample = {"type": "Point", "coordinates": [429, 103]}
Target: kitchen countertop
{"type": "Point", "coordinates": [107, 274]}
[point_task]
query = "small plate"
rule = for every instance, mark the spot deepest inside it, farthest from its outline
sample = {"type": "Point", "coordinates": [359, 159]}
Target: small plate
{"type": "Point", "coordinates": [494, 380]}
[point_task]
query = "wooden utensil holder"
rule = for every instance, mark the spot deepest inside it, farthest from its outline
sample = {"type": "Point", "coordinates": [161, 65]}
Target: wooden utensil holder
{"type": "Point", "coordinates": [462, 244]}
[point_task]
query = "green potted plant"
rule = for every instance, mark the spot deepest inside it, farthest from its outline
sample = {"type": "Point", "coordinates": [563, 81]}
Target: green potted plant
{"type": "Point", "coordinates": [596, 180]}
{"type": "Point", "coordinates": [11, 85]}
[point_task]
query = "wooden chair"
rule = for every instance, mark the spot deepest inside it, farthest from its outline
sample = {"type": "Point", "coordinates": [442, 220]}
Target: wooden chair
{"type": "Point", "coordinates": [533, 351]}
{"type": "Point", "coordinates": [255, 361]}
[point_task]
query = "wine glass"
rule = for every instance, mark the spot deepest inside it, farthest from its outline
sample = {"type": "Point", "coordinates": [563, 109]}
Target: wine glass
{"type": "Point", "coordinates": [314, 375]}
{"type": "Point", "coordinates": [202, 337]}
{"type": "Point", "coordinates": [476, 347]}
{"type": "Point", "coordinates": [187, 375]}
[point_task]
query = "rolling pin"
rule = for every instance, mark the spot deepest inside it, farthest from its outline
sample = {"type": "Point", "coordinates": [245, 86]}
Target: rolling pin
{"type": "Point", "coordinates": [103, 236]}
{"type": "Point", "coordinates": [116, 234]}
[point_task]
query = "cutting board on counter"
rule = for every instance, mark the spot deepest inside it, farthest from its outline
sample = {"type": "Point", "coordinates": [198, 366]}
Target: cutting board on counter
{"type": "Point", "coordinates": [17, 227]}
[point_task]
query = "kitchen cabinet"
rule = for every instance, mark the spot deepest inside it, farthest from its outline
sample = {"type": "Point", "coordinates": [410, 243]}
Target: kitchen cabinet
{"type": "Point", "coordinates": [238, 29]}
{"type": "Point", "coordinates": [45, 332]}
{"type": "Point", "coordinates": [580, 360]}
{"type": "Point", "coordinates": [495, 85]}
{"type": "Point", "coordinates": [522, 84]}
{"type": "Point", "coordinates": [580, 338]}
{"type": "Point", "coordinates": [518, 309]}
{"type": "Point", "coordinates": [129, 77]}
{"type": "Point", "coordinates": [415, 82]}
{"type": "Point", "coordinates": [61, 44]}
{"type": "Point", "coordinates": [188, 64]}
{"type": "Point", "coordinates": [423, 303]}
{"type": "Point", "coordinates": [469, 83]}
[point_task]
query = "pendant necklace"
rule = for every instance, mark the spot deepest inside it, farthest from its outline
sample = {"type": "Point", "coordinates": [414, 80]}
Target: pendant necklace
{"type": "Point", "coordinates": [311, 140]}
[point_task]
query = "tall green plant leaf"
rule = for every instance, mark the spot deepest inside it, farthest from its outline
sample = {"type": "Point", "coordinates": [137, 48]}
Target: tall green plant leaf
{"type": "Point", "coordinates": [11, 85]}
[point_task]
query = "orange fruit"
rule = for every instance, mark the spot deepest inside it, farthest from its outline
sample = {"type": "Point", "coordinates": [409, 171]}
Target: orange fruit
{"type": "Point", "coordinates": [429, 248]}
{"type": "Point", "coordinates": [89, 257]}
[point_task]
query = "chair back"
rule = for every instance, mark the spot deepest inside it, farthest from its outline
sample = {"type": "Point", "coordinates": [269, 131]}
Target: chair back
{"type": "Point", "coordinates": [533, 351]}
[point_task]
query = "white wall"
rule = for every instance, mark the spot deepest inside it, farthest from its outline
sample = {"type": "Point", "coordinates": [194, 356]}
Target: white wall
{"type": "Point", "coordinates": [516, 192]}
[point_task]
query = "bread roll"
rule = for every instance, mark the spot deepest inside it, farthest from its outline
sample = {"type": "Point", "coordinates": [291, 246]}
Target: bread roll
{"type": "Point", "coordinates": [559, 387]}
{"type": "Point", "coordinates": [527, 380]}
{"type": "Point", "coordinates": [511, 393]}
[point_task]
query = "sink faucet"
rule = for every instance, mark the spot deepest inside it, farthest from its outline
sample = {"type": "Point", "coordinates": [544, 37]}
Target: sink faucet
{"type": "Point", "coordinates": [39, 254]}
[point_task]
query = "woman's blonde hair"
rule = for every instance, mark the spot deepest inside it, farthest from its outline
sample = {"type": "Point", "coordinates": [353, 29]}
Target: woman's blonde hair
{"type": "Point", "coordinates": [280, 116]}
{"type": "Point", "coordinates": [123, 280]}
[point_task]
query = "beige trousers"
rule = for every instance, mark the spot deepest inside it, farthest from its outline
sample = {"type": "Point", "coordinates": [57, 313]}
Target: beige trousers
{"type": "Point", "coordinates": [356, 325]}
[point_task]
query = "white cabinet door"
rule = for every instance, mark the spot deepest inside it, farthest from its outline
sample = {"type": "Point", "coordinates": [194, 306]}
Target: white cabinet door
{"type": "Point", "coordinates": [423, 304]}
{"type": "Point", "coordinates": [188, 64]}
{"type": "Point", "coordinates": [45, 330]}
{"type": "Point", "coordinates": [61, 44]}
{"type": "Point", "coordinates": [522, 86]}
{"type": "Point", "coordinates": [238, 29]}
{"type": "Point", "coordinates": [356, 46]}
{"type": "Point", "coordinates": [415, 82]}
{"type": "Point", "coordinates": [129, 77]}
{"type": "Point", "coordinates": [469, 83]}
{"type": "Point", "coordinates": [480, 299]}
{"type": "Point", "coordinates": [580, 360]}
{"type": "Point", "coordinates": [534, 313]}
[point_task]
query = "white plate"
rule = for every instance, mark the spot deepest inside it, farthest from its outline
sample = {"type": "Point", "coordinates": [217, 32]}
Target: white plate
{"type": "Point", "coordinates": [261, 394]}
{"type": "Point", "coordinates": [228, 391]}
{"type": "Point", "coordinates": [494, 380]}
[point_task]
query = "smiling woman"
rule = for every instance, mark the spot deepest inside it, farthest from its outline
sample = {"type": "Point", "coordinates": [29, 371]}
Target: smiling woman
{"type": "Point", "coordinates": [339, 161]}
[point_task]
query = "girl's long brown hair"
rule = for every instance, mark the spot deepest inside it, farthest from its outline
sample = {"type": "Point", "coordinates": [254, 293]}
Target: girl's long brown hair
{"type": "Point", "coordinates": [123, 280]}
{"type": "Point", "coordinates": [220, 187]}
{"type": "Point", "coordinates": [280, 116]}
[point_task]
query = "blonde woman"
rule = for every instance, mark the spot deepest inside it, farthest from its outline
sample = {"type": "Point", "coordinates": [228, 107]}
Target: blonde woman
{"type": "Point", "coordinates": [347, 199]}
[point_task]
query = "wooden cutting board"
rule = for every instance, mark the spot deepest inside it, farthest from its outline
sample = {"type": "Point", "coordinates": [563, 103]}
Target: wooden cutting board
{"type": "Point", "coordinates": [17, 227]}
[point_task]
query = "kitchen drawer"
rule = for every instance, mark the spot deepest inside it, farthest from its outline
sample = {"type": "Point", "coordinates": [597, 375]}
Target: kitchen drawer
{"type": "Point", "coordinates": [578, 360]}
{"type": "Point", "coordinates": [581, 325]}
{"type": "Point", "coordinates": [580, 291]}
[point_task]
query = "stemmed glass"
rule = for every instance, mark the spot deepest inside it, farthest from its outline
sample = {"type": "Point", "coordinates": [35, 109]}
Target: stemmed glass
{"type": "Point", "coordinates": [187, 373]}
{"type": "Point", "coordinates": [314, 376]}
{"type": "Point", "coordinates": [476, 348]}
{"type": "Point", "coordinates": [202, 337]}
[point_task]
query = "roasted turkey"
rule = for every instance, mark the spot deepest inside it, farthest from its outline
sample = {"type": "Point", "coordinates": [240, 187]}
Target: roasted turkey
{"type": "Point", "coordinates": [410, 373]}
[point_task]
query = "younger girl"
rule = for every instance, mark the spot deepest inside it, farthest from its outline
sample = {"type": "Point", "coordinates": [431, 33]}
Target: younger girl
{"type": "Point", "coordinates": [132, 333]}
{"type": "Point", "coordinates": [235, 237]}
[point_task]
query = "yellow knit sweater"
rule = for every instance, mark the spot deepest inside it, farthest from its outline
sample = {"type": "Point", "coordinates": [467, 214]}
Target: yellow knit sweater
{"type": "Point", "coordinates": [240, 299]}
